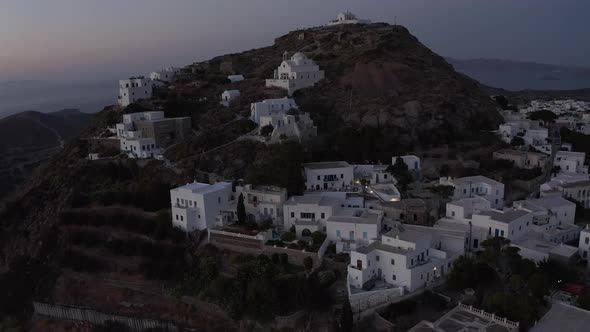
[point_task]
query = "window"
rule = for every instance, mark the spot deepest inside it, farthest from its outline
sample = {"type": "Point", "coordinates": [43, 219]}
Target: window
{"type": "Point", "coordinates": [421, 277]}
{"type": "Point", "coordinates": [338, 233]}
{"type": "Point", "coordinates": [502, 233]}
{"type": "Point", "coordinates": [307, 215]}
{"type": "Point", "coordinates": [392, 261]}
{"type": "Point", "coordinates": [377, 258]}
{"type": "Point", "coordinates": [318, 177]}
{"type": "Point", "coordinates": [587, 240]}
{"type": "Point", "coordinates": [323, 215]}
{"type": "Point", "coordinates": [393, 277]}
{"type": "Point", "coordinates": [412, 262]}
{"type": "Point", "coordinates": [585, 254]}
{"type": "Point", "coordinates": [475, 243]}
{"type": "Point", "coordinates": [342, 176]}
{"type": "Point", "coordinates": [365, 235]}
{"type": "Point", "coordinates": [292, 214]}
{"type": "Point", "coordinates": [181, 218]}
{"type": "Point", "coordinates": [449, 265]}
{"type": "Point", "coordinates": [351, 235]}
{"type": "Point", "coordinates": [219, 200]}
{"type": "Point", "coordinates": [464, 191]}
{"type": "Point", "coordinates": [176, 217]}
{"type": "Point", "coordinates": [453, 213]}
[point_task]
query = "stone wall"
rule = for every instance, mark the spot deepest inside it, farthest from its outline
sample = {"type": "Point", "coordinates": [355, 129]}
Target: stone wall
{"type": "Point", "coordinates": [99, 318]}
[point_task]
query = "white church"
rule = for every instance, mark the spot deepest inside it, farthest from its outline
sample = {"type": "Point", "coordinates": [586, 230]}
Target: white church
{"type": "Point", "coordinates": [296, 73]}
{"type": "Point", "coordinates": [347, 18]}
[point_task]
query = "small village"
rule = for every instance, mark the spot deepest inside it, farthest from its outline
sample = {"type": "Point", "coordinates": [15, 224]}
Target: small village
{"type": "Point", "coordinates": [395, 238]}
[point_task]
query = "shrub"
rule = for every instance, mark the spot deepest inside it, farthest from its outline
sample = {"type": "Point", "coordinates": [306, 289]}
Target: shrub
{"type": "Point", "coordinates": [288, 237]}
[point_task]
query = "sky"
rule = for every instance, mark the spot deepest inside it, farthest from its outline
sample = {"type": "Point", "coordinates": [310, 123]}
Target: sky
{"type": "Point", "coordinates": [111, 39]}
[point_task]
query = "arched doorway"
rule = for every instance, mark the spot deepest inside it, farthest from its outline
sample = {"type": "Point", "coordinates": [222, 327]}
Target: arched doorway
{"type": "Point", "coordinates": [306, 232]}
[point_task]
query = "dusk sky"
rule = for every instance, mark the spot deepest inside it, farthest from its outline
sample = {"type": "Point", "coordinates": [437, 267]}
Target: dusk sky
{"type": "Point", "coordinates": [110, 39]}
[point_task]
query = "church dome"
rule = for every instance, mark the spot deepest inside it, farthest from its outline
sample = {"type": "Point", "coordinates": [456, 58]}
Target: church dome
{"type": "Point", "coordinates": [299, 57]}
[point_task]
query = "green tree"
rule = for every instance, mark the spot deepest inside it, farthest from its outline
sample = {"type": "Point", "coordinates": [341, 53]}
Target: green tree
{"type": "Point", "coordinates": [443, 191]}
{"type": "Point", "coordinates": [308, 263]}
{"type": "Point", "coordinates": [241, 210]}
{"type": "Point", "coordinates": [318, 237]}
{"type": "Point", "coordinates": [288, 237]}
{"type": "Point", "coordinates": [266, 130]}
{"type": "Point", "coordinates": [517, 141]}
{"type": "Point", "coordinates": [346, 318]}
{"type": "Point", "coordinates": [400, 171]}
{"type": "Point", "coordinates": [543, 115]}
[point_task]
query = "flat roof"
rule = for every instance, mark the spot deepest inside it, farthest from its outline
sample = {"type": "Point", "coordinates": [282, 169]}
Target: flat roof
{"type": "Point", "coordinates": [583, 183]}
{"type": "Point", "coordinates": [469, 202]}
{"type": "Point", "coordinates": [463, 319]}
{"type": "Point", "coordinates": [354, 216]}
{"type": "Point", "coordinates": [202, 188]}
{"type": "Point", "coordinates": [476, 179]}
{"type": "Point", "coordinates": [377, 245]}
{"type": "Point", "coordinates": [546, 202]}
{"type": "Point", "coordinates": [406, 234]}
{"type": "Point", "coordinates": [314, 199]}
{"type": "Point", "coordinates": [327, 165]}
{"type": "Point", "coordinates": [506, 216]}
{"type": "Point", "coordinates": [563, 317]}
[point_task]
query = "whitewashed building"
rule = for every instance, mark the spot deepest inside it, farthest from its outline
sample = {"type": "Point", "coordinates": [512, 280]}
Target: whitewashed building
{"type": "Point", "coordinates": [571, 162]}
{"type": "Point", "coordinates": [334, 175]}
{"type": "Point", "coordinates": [235, 78]}
{"type": "Point", "coordinates": [296, 73]}
{"type": "Point", "coordinates": [133, 90]}
{"type": "Point", "coordinates": [199, 206]}
{"type": "Point", "coordinates": [297, 126]}
{"type": "Point", "coordinates": [164, 75]}
{"type": "Point", "coordinates": [413, 162]}
{"type": "Point", "coordinates": [347, 18]}
{"type": "Point", "coordinates": [263, 202]}
{"type": "Point", "coordinates": [572, 186]}
{"type": "Point", "coordinates": [538, 227]}
{"type": "Point", "coordinates": [228, 96]}
{"type": "Point", "coordinates": [584, 243]}
{"type": "Point", "coordinates": [268, 107]}
{"type": "Point", "coordinates": [372, 174]}
{"type": "Point", "coordinates": [408, 256]}
{"type": "Point", "coordinates": [479, 185]}
{"type": "Point", "coordinates": [146, 134]}
{"type": "Point", "coordinates": [352, 228]}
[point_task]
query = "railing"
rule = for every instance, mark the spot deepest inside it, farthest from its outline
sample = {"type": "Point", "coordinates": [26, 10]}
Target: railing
{"type": "Point", "coordinates": [488, 315]}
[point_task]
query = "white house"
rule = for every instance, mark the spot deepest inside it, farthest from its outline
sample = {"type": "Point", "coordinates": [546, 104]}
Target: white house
{"type": "Point", "coordinates": [235, 78]}
{"type": "Point", "coordinates": [228, 96]}
{"type": "Point", "coordinates": [296, 126]}
{"type": "Point", "coordinates": [408, 256]}
{"type": "Point", "coordinates": [199, 206]}
{"type": "Point", "coordinates": [411, 161]}
{"type": "Point", "coordinates": [584, 243]}
{"type": "Point", "coordinates": [268, 107]}
{"type": "Point", "coordinates": [297, 73]}
{"type": "Point", "coordinates": [352, 228]}
{"type": "Point", "coordinates": [309, 213]}
{"type": "Point", "coordinates": [536, 226]}
{"type": "Point", "coordinates": [263, 202]}
{"type": "Point", "coordinates": [373, 174]}
{"type": "Point", "coordinates": [479, 185]}
{"type": "Point", "coordinates": [571, 162]}
{"type": "Point", "coordinates": [145, 134]}
{"type": "Point", "coordinates": [347, 18]}
{"type": "Point", "coordinates": [573, 186]}
{"type": "Point", "coordinates": [335, 175]}
{"type": "Point", "coordinates": [164, 75]}
{"type": "Point", "coordinates": [133, 90]}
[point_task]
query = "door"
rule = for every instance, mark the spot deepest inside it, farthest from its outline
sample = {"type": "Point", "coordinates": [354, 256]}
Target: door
{"type": "Point", "coordinates": [359, 264]}
{"type": "Point", "coordinates": [379, 274]}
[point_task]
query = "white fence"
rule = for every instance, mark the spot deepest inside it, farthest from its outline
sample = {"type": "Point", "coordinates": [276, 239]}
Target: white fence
{"type": "Point", "coordinates": [99, 318]}
{"type": "Point", "coordinates": [488, 315]}
{"type": "Point", "coordinates": [367, 300]}
{"type": "Point", "coordinates": [323, 248]}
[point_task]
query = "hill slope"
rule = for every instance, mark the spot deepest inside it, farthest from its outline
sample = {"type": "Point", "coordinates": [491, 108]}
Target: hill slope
{"type": "Point", "coordinates": [378, 77]}
{"type": "Point", "coordinates": [34, 130]}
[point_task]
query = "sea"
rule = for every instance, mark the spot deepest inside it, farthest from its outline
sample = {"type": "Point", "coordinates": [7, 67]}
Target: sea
{"type": "Point", "coordinates": [48, 96]}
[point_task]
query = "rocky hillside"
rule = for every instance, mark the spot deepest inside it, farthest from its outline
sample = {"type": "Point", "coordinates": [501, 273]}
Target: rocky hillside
{"type": "Point", "coordinates": [379, 77]}
{"type": "Point", "coordinates": [385, 93]}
